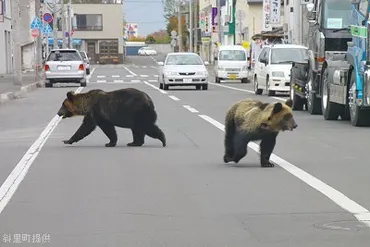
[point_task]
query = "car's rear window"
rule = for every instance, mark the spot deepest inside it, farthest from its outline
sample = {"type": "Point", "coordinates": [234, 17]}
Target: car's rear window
{"type": "Point", "coordinates": [64, 56]}
{"type": "Point", "coordinates": [83, 54]}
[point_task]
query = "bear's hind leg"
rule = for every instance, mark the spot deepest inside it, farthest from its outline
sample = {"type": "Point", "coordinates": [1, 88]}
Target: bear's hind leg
{"type": "Point", "coordinates": [138, 138]}
{"type": "Point", "coordinates": [155, 132]}
{"type": "Point", "coordinates": [267, 146]}
{"type": "Point", "coordinates": [110, 131]}
{"type": "Point", "coordinates": [240, 146]}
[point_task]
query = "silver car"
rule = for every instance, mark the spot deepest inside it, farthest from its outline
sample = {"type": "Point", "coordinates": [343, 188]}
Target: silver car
{"type": "Point", "coordinates": [64, 65]}
{"type": "Point", "coordinates": [86, 60]}
{"type": "Point", "coordinates": [183, 69]}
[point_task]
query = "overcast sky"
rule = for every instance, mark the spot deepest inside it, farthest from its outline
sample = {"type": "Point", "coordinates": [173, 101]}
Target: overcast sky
{"type": "Point", "coordinates": [147, 13]}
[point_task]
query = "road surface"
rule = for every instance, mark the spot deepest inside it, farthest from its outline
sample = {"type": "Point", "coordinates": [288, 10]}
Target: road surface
{"type": "Point", "coordinates": [53, 194]}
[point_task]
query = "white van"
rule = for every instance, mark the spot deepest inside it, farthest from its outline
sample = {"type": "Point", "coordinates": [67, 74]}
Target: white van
{"type": "Point", "coordinates": [232, 63]}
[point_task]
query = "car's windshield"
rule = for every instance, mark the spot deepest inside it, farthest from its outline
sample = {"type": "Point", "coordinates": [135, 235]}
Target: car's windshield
{"type": "Point", "coordinates": [336, 14]}
{"type": "Point", "coordinates": [64, 56]}
{"type": "Point", "coordinates": [184, 60]}
{"type": "Point", "coordinates": [232, 55]}
{"type": "Point", "coordinates": [83, 54]}
{"type": "Point", "coordinates": [288, 55]}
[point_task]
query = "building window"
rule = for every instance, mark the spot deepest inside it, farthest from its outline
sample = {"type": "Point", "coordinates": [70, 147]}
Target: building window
{"type": "Point", "coordinates": [89, 22]}
{"type": "Point", "coordinates": [107, 47]}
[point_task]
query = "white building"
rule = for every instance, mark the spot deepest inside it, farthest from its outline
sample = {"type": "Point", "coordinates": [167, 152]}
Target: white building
{"type": "Point", "coordinates": [5, 38]}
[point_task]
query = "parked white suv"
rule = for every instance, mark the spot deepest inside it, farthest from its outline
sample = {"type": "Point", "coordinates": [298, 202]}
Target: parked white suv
{"type": "Point", "coordinates": [272, 68]}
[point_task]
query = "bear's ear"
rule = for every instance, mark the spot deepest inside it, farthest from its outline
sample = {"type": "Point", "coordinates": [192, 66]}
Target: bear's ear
{"type": "Point", "coordinates": [289, 103]}
{"type": "Point", "coordinates": [70, 95]}
{"type": "Point", "coordinates": [277, 108]}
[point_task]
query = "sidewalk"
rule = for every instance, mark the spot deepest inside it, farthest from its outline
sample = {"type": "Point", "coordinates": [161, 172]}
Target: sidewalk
{"type": "Point", "coordinates": [9, 91]}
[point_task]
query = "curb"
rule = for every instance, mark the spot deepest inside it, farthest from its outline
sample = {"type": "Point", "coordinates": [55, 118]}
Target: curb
{"type": "Point", "coordinates": [4, 97]}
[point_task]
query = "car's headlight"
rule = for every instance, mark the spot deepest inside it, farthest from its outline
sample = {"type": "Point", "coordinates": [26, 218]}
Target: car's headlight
{"type": "Point", "coordinates": [169, 73]}
{"type": "Point", "coordinates": [277, 74]}
{"type": "Point", "coordinates": [202, 73]}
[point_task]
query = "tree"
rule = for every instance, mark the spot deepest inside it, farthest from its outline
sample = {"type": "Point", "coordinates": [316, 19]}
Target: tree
{"type": "Point", "coordinates": [173, 25]}
{"type": "Point", "coordinates": [170, 8]}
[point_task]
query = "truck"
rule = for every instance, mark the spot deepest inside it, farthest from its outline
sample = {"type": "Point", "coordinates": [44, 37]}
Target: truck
{"type": "Point", "coordinates": [335, 80]}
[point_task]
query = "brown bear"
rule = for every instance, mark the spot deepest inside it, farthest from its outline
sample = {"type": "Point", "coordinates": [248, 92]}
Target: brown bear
{"type": "Point", "coordinates": [251, 120]}
{"type": "Point", "coordinates": [126, 108]}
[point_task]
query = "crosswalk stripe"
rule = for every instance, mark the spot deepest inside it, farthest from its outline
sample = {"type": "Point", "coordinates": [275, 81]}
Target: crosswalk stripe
{"type": "Point", "coordinates": [144, 75]}
{"type": "Point", "coordinates": [101, 81]}
{"type": "Point", "coordinates": [129, 75]}
{"type": "Point", "coordinates": [152, 81]}
{"type": "Point", "coordinates": [101, 76]}
{"type": "Point", "coordinates": [118, 81]}
{"type": "Point", "coordinates": [115, 76]}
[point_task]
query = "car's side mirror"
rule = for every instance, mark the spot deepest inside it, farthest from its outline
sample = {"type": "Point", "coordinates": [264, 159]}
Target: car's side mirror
{"type": "Point", "coordinates": [206, 63]}
{"type": "Point", "coordinates": [160, 63]}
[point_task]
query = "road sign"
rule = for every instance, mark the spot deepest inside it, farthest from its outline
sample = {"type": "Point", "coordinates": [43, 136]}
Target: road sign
{"type": "Point", "coordinates": [47, 17]}
{"type": "Point", "coordinates": [47, 29]}
{"type": "Point", "coordinates": [35, 33]}
{"type": "Point", "coordinates": [36, 23]}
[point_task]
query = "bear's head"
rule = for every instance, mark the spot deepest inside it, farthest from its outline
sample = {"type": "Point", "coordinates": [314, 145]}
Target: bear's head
{"type": "Point", "coordinates": [279, 117]}
{"type": "Point", "coordinates": [73, 105]}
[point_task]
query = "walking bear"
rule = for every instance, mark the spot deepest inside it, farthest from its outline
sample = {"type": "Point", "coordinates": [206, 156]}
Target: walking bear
{"type": "Point", "coordinates": [126, 108]}
{"type": "Point", "coordinates": [251, 120]}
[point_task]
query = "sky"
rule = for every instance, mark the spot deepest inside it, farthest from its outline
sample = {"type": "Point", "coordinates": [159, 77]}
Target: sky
{"type": "Point", "coordinates": [147, 13]}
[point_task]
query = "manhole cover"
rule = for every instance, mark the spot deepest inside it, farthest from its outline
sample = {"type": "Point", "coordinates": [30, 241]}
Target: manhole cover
{"type": "Point", "coordinates": [353, 226]}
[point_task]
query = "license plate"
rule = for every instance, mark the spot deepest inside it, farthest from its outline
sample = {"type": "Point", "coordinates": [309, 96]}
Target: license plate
{"type": "Point", "coordinates": [64, 68]}
{"type": "Point", "coordinates": [233, 76]}
{"type": "Point", "coordinates": [187, 80]}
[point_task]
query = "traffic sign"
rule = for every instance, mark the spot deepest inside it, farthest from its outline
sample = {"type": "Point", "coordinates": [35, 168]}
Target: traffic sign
{"type": "Point", "coordinates": [47, 17]}
{"type": "Point", "coordinates": [47, 29]}
{"type": "Point", "coordinates": [35, 33]}
{"type": "Point", "coordinates": [36, 23]}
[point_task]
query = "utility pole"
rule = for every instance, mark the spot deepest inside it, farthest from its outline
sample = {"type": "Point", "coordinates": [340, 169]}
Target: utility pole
{"type": "Point", "coordinates": [179, 22]}
{"type": "Point", "coordinates": [55, 25]}
{"type": "Point", "coordinates": [38, 13]}
{"type": "Point", "coordinates": [195, 28]}
{"type": "Point", "coordinates": [63, 24]}
{"type": "Point", "coordinates": [190, 26]}
{"type": "Point", "coordinates": [69, 24]}
{"type": "Point", "coordinates": [16, 22]}
{"type": "Point", "coordinates": [219, 21]}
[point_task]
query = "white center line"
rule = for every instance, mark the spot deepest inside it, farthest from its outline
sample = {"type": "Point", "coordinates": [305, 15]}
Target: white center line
{"type": "Point", "coordinates": [174, 98]}
{"type": "Point", "coordinates": [9, 187]}
{"type": "Point", "coordinates": [361, 213]}
{"type": "Point", "coordinates": [189, 108]}
{"type": "Point", "coordinates": [132, 73]}
{"type": "Point", "coordinates": [156, 88]}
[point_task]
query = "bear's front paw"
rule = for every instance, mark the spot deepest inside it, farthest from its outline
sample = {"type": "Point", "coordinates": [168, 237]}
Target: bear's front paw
{"type": "Point", "coordinates": [227, 159]}
{"type": "Point", "coordinates": [67, 142]}
{"type": "Point", "coordinates": [110, 144]}
{"type": "Point", "coordinates": [267, 164]}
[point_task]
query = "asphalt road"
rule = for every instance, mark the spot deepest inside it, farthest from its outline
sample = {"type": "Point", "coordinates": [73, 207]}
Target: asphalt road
{"type": "Point", "coordinates": [318, 194]}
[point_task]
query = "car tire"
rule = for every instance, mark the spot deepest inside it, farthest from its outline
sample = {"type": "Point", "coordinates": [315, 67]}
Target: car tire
{"type": "Point", "coordinates": [83, 84]}
{"type": "Point", "coordinates": [48, 84]}
{"type": "Point", "coordinates": [165, 87]}
{"type": "Point", "coordinates": [205, 87]}
{"type": "Point", "coordinates": [160, 85]}
{"type": "Point", "coordinates": [87, 71]}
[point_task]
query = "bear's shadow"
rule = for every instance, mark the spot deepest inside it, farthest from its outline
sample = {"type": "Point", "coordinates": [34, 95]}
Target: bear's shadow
{"type": "Point", "coordinates": [244, 165]}
{"type": "Point", "coordinates": [118, 146]}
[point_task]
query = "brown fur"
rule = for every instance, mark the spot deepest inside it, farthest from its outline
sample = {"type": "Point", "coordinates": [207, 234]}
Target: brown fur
{"type": "Point", "coordinates": [249, 120]}
{"type": "Point", "coordinates": [125, 108]}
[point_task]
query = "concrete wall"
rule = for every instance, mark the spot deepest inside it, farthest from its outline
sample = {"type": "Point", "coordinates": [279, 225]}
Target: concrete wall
{"type": "Point", "coordinates": [161, 48]}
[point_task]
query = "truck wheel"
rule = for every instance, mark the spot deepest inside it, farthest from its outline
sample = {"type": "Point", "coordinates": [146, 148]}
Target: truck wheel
{"type": "Point", "coordinates": [313, 102]}
{"type": "Point", "coordinates": [256, 89]}
{"type": "Point", "coordinates": [330, 110]}
{"type": "Point", "coordinates": [298, 102]}
{"type": "Point", "coordinates": [359, 117]}
{"type": "Point", "coordinates": [269, 92]}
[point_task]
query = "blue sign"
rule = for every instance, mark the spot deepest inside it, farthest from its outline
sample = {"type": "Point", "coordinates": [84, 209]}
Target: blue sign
{"type": "Point", "coordinates": [47, 17]}
{"type": "Point", "coordinates": [36, 23]}
{"type": "Point", "coordinates": [73, 41]}
{"type": "Point", "coordinates": [47, 29]}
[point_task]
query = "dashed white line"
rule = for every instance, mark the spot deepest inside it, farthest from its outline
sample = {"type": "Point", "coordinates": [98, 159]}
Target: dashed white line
{"type": "Point", "coordinates": [156, 88]}
{"type": "Point", "coordinates": [9, 187]}
{"type": "Point", "coordinates": [156, 75]}
{"type": "Point", "coordinates": [115, 76]}
{"type": "Point", "coordinates": [152, 80]}
{"type": "Point", "coordinates": [132, 73]}
{"type": "Point", "coordinates": [242, 90]}
{"type": "Point", "coordinates": [189, 108]}
{"type": "Point", "coordinates": [361, 213]}
{"type": "Point", "coordinates": [101, 81]}
{"type": "Point", "coordinates": [174, 98]}
{"type": "Point", "coordinates": [101, 76]}
{"type": "Point", "coordinates": [135, 81]}
{"type": "Point", "coordinates": [144, 67]}
{"type": "Point", "coordinates": [118, 81]}
{"type": "Point", "coordinates": [129, 76]}
{"type": "Point", "coordinates": [144, 76]}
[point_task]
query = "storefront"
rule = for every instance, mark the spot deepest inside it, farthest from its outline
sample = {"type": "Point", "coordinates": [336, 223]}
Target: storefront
{"type": "Point", "coordinates": [76, 43]}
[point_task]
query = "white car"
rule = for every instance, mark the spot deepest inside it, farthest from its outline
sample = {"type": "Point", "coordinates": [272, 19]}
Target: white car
{"type": "Point", "coordinates": [86, 60]}
{"type": "Point", "coordinates": [145, 51]}
{"type": "Point", "coordinates": [183, 69]}
{"type": "Point", "coordinates": [272, 68]}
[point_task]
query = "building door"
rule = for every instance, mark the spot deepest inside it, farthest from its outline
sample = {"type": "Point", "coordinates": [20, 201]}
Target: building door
{"type": "Point", "coordinates": [91, 53]}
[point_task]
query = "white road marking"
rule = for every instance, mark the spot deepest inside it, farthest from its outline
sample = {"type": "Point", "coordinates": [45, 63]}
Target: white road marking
{"type": "Point", "coordinates": [153, 67]}
{"type": "Point", "coordinates": [144, 67]}
{"type": "Point", "coordinates": [11, 184]}
{"type": "Point", "coordinates": [100, 76]}
{"type": "Point", "coordinates": [118, 81]}
{"type": "Point", "coordinates": [132, 73]}
{"type": "Point", "coordinates": [101, 81]}
{"type": "Point", "coordinates": [242, 90]}
{"type": "Point", "coordinates": [130, 76]}
{"type": "Point", "coordinates": [155, 60]}
{"type": "Point", "coordinates": [152, 80]}
{"type": "Point", "coordinates": [92, 72]}
{"type": "Point", "coordinates": [115, 76]}
{"type": "Point", "coordinates": [156, 88]}
{"type": "Point", "coordinates": [156, 76]}
{"type": "Point", "coordinates": [135, 81]}
{"type": "Point", "coordinates": [361, 213]}
{"type": "Point", "coordinates": [188, 107]}
{"type": "Point", "coordinates": [174, 98]}
{"type": "Point", "coordinates": [144, 76]}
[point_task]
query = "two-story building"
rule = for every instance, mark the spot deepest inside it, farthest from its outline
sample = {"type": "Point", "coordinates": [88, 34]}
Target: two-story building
{"type": "Point", "coordinates": [98, 30]}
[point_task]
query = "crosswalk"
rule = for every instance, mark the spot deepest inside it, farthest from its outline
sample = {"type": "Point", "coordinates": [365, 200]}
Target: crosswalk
{"type": "Point", "coordinates": [125, 79]}
{"type": "Point", "coordinates": [122, 66]}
